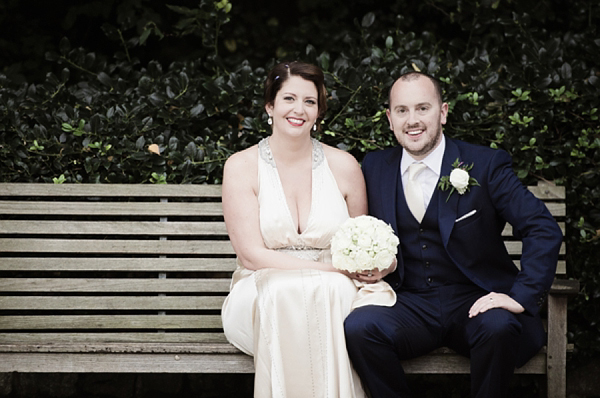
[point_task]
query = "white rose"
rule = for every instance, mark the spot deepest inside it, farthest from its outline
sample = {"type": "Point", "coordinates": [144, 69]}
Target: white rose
{"type": "Point", "coordinates": [363, 260]}
{"type": "Point", "coordinates": [364, 242]}
{"type": "Point", "coordinates": [459, 179]}
{"type": "Point", "coordinates": [383, 259]}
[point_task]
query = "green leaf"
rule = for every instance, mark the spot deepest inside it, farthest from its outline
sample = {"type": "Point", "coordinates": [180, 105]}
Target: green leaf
{"type": "Point", "coordinates": [368, 20]}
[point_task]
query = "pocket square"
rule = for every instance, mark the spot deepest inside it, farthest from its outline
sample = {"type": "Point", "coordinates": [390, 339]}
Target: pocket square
{"type": "Point", "coordinates": [469, 214]}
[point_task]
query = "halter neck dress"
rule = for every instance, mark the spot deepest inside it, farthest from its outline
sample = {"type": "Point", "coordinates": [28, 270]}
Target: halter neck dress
{"type": "Point", "coordinates": [291, 321]}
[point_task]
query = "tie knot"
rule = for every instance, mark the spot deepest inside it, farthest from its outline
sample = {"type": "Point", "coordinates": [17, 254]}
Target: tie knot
{"type": "Point", "coordinates": [414, 170]}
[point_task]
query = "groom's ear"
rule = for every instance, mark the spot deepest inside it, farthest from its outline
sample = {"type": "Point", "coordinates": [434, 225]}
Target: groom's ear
{"type": "Point", "coordinates": [388, 114]}
{"type": "Point", "coordinates": [444, 113]}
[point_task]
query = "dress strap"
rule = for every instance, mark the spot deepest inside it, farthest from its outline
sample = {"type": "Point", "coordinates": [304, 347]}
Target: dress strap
{"type": "Point", "coordinates": [264, 149]}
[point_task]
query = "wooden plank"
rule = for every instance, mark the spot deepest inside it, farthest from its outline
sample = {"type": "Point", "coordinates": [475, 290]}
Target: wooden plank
{"type": "Point", "coordinates": [516, 248]}
{"type": "Point", "coordinates": [163, 303]}
{"type": "Point", "coordinates": [73, 322]}
{"type": "Point", "coordinates": [145, 247]}
{"type": "Point", "coordinates": [96, 208]}
{"type": "Point", "coordinates": [216, 264]}
{"type": "Point", "coordinates": [125, 347]}
{"type": "Point", "coordinates": [16, 245]}
{"type": "Point", "coordinates": [456, 364]}
{"type": "Point", "coordinates": [111, 190]}
{"type": "Point", "coordinates": [126, 363]}
{"type": "Point", "coordinates": [131, 228]}
{"type": "Point", "coordinates": [557, 346]}
{"type": "Point", "coordinates": [8, 341]}
{"type": "Point", "coordinates": [565, 287]}
{"type": "Point", "coordinates": [122, 285]}
{"type": "Point", "coordinates": [547, 190]}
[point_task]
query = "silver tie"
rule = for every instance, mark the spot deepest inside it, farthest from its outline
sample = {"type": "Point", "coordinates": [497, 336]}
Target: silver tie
{"type": "Point", "coordinates": [413, 192]}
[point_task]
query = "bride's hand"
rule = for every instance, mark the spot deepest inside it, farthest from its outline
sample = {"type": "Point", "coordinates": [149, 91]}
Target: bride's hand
{"type": "Point", "coordinates": [375, 275]}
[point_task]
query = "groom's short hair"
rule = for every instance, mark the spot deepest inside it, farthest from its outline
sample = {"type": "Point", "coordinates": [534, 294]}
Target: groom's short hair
{"type": "Point", "coordinates": [414, 75]}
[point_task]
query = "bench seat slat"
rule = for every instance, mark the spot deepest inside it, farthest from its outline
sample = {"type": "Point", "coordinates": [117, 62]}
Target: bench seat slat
{"type": "Point", "coordinates": [163, 303]}
{"type": "Point", "coordinates": [74, 322]}
{"type": "Point", "coordinates": [117, 264]}
{"type": "Point", "coordinates": [122, 285]}
{"type": "Point", "coordinates": [157, 247]}
{"type": "Point", "coordinates": [10, 341]}
{"type": "Point", "coordinates": [126, 363]}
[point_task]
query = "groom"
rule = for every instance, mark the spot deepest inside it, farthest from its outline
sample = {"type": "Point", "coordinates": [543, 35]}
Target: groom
{"type": "Point", "coordinates": [456, 285]}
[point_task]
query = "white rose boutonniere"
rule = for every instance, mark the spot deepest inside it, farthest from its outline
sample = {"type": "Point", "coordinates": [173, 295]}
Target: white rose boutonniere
{"type": "Point", "coordinates": [459, 179]}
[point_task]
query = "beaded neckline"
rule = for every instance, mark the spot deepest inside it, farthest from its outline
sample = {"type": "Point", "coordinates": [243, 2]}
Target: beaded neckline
{"type": "Point", "coordinates": [265, 152]}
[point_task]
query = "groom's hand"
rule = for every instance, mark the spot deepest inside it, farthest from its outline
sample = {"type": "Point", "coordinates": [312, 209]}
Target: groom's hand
{"type": "Point", "coordinates": [495, 300]}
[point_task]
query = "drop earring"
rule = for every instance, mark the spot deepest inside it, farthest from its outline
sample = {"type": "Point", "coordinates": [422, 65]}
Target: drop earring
{"type": "Point", "coordinates": [315, 127]}
{"type": "Point", "coordinates": [270, 120]}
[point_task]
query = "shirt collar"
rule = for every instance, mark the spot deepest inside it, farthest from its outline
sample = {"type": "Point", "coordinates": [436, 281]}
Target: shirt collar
{"type": "Point", "coordinates": [433, 161]}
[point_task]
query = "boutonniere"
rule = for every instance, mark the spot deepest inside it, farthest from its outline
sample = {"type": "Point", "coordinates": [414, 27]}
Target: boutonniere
{"type": "Point", "coordinates": [459, 179]}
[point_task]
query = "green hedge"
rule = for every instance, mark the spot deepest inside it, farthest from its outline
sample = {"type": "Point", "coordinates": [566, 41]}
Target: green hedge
{"type": "Point", "coordinates": [523, 76]}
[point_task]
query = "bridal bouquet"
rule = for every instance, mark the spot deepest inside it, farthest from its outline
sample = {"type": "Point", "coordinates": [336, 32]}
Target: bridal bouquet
{"type": "Point", "coordinates": [363, 243]}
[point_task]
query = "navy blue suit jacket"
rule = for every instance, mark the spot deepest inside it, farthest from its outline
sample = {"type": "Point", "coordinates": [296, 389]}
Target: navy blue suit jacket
{"type": "Point", "coordinates": [475, 244]}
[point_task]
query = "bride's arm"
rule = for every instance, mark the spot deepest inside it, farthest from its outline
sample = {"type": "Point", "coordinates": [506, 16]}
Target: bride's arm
{"type": "Point", "coordinates": [240, 209]}
{"type": "Point", "coordinates": [349, 178]}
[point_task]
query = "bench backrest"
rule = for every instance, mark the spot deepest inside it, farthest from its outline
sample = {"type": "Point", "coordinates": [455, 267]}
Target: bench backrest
{"type": "Point", "coordinates": [125, 263]}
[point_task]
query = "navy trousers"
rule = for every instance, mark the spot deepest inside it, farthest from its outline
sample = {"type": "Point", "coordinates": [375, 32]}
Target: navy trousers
{"type": "Point", "coordinates": [497, 341]}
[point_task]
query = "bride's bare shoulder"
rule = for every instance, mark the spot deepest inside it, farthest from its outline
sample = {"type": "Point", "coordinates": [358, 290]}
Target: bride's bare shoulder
{"type": "Point", "coordinates": [338, 158]}
{"type": "Point", "coordinates": [241, 168]}
{"type": "Point", "coordinates": [246, 158]}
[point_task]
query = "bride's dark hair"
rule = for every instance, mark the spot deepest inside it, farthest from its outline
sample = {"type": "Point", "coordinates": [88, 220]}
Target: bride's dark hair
{"type": "Point", "coordinates": [282, 71]}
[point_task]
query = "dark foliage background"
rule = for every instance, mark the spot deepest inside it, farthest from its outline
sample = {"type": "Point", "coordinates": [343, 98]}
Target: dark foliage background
{"type": "Point", "coordinates": [86, 88]}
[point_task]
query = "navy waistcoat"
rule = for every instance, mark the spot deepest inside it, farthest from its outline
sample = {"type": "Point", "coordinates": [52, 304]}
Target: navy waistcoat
{"type": "Point", "coordinates": [426, 262]}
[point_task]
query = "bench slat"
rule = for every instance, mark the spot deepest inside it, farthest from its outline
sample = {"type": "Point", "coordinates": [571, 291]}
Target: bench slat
{"type": "Point", "coordinates": [516, 248]}
{"type": "Point", "coordinates": [117, 264]}
{"type": "Point", "coordinates": [163, 303]}
{"type": "Point", "coordinates": [74, 322]}
{"type": "Point", "coordinates": [110, 190]}
{"type": "Point", "coordinates": [149, 228]}
{"type": "Point", "coordinates": [27, 339]}
{"type": "Point", "coordinates": [146, 247]}
{"type": "Point", "coordinates": [123, 285]}
{"type": "Point", "coordinates": [16, 245]}
{"type": "Point", "coordinates": [130, 347]}
{"type": "Point", "coordinates": [126, 363]}
{"type": "Point", "coordinates": [156, 209]}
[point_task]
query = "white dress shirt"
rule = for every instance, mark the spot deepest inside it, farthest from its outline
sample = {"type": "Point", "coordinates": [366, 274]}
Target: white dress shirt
{"type": "Point", "coordinates": [429, 177]}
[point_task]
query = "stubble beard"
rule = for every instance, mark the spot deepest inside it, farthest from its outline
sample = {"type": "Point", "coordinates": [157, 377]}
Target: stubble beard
{"type": "Point", "coordinates": [428, 146]}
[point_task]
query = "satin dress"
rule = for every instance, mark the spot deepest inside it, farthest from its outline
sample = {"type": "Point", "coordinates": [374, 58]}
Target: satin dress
{"type": "Point", "coordinates": [291, 321]}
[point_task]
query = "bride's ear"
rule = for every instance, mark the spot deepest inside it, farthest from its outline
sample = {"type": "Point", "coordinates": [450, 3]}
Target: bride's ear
{"type": "Point", "coordinates": [269, 109]}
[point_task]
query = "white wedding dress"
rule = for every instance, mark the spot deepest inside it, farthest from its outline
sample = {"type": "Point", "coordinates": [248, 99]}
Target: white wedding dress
{"type": "Point", "coordinates": [291, 321]}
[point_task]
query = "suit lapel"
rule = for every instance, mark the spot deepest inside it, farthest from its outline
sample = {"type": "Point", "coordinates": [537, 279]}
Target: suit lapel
{"type": "Point", "coordinates": [389, 186]}
{"type": "Point", "coordinates": [448, 209]}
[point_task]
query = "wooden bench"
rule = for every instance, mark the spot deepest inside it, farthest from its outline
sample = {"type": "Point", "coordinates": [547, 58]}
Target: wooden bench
{"type": "Point", "coordinates": [131, 278]}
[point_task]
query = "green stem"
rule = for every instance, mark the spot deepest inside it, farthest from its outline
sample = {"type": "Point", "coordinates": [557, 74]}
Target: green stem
{"type": "Point", "coordinates": [124, 45]}
{"type": "Point", "coordinates": [77, 66]}
{"type": "Point", "coordinates": [345, 106]}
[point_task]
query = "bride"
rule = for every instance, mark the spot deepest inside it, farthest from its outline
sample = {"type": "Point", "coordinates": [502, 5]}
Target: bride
{"type": "Point", "coordinates": [283, 199]}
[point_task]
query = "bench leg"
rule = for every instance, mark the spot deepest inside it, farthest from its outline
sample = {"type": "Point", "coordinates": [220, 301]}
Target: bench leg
{"type": "Point", "coordinates": [557, 346]}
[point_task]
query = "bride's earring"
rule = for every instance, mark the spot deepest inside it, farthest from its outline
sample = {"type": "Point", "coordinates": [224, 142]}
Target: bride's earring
{"type": "Point", "coordinates": [315, 127]}
{"type": "Point", "coordinates": [270, 120]}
